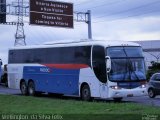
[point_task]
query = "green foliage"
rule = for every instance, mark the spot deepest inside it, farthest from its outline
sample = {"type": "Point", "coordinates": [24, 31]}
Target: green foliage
{"type": "Point", "coordinates": [153, 69]}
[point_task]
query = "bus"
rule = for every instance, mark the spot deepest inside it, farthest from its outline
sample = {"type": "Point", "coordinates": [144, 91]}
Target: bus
{"type": "Point", "coordinates": [87, 69]}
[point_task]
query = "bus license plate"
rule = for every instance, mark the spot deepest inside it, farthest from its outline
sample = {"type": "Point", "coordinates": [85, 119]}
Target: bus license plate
{"type": "Point", "coordinates": [130, 95]}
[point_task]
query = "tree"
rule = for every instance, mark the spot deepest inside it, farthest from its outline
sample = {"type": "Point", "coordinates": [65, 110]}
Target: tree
{"type": "Point", "coordinates": [155, 67]}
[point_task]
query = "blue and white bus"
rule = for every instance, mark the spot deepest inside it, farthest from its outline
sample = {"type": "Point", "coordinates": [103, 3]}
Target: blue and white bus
{"type": "Point", "coordinates": [87, 69]}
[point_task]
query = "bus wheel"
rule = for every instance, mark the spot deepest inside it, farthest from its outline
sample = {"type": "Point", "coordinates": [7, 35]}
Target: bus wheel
{"type": "Point", "coordinates": [23, 88]}
{"type": "Point", "coordinates": [85, 93]}
{"type": "Point", "coordinates": [31, 88]}
{"type": "Point", "coordinates": [118, 99]}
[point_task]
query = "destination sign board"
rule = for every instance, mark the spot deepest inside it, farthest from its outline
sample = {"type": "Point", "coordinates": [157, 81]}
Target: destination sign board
{"type": "Point", "coordinates": [51, 13]}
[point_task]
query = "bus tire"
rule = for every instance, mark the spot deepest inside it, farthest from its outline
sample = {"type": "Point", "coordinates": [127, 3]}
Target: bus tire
{"type": "Point", "coordinates": [85, 93]}
{"type": "Point", "coordinates": [31, 88]}
{"type": "Point", "coordinates": [23, 88]}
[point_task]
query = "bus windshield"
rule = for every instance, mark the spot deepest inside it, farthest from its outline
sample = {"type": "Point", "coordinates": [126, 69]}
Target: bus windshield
{"type": "Point", "coordinates": [127, 64]}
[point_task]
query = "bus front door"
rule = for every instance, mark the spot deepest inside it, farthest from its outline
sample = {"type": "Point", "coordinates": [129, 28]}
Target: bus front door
{"type": "Point", "coordinates": [103, 90]}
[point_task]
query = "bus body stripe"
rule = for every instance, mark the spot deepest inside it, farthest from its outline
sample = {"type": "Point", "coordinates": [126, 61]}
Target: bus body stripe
{"type": "Point", "coordinates": [67, 66]}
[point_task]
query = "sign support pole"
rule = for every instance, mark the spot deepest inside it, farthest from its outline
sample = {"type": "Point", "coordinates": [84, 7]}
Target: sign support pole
{"type": "Point", "coordinates": [89, 25]}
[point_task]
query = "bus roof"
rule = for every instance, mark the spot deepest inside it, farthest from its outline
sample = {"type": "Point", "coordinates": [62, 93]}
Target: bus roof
{"type": "Point", "coordinates": [87, 42]}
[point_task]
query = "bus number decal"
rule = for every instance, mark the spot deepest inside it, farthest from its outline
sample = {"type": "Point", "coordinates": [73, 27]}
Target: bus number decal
{"type": "Point", "coordinates": [46, 70]}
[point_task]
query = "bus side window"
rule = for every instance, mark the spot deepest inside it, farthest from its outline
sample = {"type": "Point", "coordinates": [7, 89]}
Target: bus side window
{"type": "Point", "coordinates": [99, 64]}
{"type": "Point", "coordinates": [83, 54]}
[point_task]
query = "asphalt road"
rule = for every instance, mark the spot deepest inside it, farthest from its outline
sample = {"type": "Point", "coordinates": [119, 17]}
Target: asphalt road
{"type": "Point", "coordinates": [5, 90]}
{"type": "Point", "coordinates": [145, 100]}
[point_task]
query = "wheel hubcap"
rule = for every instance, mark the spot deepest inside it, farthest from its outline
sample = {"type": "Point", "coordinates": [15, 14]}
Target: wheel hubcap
{"type": "Point", "coordinates": [85, 93]}
{"type": "Point", "coordinates": [31, 90]}
{"type": "Point", "coordinates": [150, 93]}
{"type": "Point", "coordinates": [23, 88]}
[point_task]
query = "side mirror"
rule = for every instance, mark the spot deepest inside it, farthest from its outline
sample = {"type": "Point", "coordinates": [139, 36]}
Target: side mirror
{"type": "Point", "coordinates": [108, 64]}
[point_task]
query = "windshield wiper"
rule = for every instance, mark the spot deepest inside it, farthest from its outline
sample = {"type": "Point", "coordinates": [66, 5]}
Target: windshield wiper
{"type": "Point", "coordinates": [130, 67]}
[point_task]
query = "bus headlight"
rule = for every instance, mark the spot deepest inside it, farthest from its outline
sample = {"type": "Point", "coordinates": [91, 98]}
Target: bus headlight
{"type": "Point", "coordinates": [115, 87]}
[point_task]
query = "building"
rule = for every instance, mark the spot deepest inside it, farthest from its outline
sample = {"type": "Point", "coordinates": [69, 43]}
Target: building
{"type": "Point", "coordinates": [151, 50]}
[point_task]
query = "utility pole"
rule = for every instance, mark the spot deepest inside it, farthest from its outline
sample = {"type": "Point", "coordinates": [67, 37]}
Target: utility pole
{"type": "Point", "coordinates": [19, 36]}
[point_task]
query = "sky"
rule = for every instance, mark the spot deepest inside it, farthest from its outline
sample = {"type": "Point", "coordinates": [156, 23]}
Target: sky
{"type": "Point", "coordinates": [128, 20]}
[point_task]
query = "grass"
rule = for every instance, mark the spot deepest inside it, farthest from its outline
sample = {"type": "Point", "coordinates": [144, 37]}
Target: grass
{"type": "Point", "coordinates": [10, 104]}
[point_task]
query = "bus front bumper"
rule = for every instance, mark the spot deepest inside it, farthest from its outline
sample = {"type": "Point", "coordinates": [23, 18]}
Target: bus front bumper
{"type": "Point", "coordinates": [127, 92]}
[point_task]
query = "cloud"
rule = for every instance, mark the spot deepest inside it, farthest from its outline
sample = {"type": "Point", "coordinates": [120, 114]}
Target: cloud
{"type": "Point", "coordinates": [128, 29]}
{"type": "Point", "coordinates": [121, 8]}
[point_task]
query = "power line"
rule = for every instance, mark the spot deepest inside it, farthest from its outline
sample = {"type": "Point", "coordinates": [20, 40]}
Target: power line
{"type": "Point", "coordinates": [125, 17]}
{"type": "Point", "coordinates": [106, 4]}
{"type": "Point", "coordinates": [85, 2]}
{"type": "Point", "coordinates": [139, 7]}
